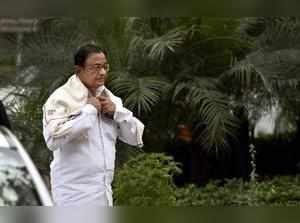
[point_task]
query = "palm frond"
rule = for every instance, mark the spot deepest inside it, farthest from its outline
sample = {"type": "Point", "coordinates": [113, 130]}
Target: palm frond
{"type": "Point", "coordinates": [213, 120]}
{"type": "Point", "coordinates": [140, 94]}
{"type": "Point", "coordinates": [51, 50]}
{"type": "Point", "coordinates": [159, 47]}
{"type": "Point", "coordinates": [245, 75]}
{"type": "Point", "coordinates": [251, 27]}
{"type": "Point", "coordinates": [182, 85]}
{"type": "Point", "coordinates": [220, 125]}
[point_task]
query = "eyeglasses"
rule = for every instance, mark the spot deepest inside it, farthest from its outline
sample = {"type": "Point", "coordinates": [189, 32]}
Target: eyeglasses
{"type": "Point", "coordinates": [97, 67]}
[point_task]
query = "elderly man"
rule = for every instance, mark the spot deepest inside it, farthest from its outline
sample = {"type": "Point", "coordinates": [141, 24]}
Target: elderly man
{"type": "Point", "coordinates": [81, 121]}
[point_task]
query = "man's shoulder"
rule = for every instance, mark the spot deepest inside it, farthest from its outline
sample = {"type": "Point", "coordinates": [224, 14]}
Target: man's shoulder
{"type": "Point", "coordinates": [57, 94]}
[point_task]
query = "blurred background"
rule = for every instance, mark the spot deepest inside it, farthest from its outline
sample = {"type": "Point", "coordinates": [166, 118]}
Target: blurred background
{"type": "Point", "coordinates": [219, 97]}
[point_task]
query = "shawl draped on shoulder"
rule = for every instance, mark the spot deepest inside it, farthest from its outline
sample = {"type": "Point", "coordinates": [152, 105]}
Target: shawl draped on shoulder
{"type": "Point", "coordinates": [65, 103]}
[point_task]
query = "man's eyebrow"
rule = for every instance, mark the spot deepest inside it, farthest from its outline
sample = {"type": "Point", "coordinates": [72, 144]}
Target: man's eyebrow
{"type": "Point", "coordinates": [101, 63]}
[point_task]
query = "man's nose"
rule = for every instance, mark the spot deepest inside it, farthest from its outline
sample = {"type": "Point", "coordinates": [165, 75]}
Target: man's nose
{"type": "Point", "coordinates": [101, 71]}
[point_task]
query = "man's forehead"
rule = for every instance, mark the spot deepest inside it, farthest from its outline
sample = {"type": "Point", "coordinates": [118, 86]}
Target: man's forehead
{"type": "Point", "coordinates": [97, 58]}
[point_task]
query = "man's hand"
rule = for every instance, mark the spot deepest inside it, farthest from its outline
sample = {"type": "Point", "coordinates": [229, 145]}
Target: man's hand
{"type": "Point", "coordinates": [107, 106]}
{"type": "Point", "coordinates": [95, 102]}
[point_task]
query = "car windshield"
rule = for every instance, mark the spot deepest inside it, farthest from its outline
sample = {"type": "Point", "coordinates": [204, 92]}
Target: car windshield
{"type": "Point", "coordinates": [16, 185]}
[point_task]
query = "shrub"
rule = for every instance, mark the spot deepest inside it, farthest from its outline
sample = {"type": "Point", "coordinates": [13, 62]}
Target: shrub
{"type": "Point", "coordinates": [279, 191]}
{"type": "Point", "coordinates": [146, 180]}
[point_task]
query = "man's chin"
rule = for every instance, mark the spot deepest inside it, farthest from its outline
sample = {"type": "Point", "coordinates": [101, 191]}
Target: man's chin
{"type": "Point", "coordinates": [99, 84]}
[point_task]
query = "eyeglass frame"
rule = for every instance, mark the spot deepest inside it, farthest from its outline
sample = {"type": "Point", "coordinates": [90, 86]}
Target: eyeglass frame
{"type": "Point", "coordinates": [97, 67]}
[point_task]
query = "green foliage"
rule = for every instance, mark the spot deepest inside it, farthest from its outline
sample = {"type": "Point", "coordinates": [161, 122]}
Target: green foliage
{"type": "Point", "coordinates": [272, 67]}
{"type": "Point", "coordinates": [188, 54]}
{"type": "Point", "coordinates": [279, 191]}
{"type": "Point", "coordinates": [208, 109]}
{"type": "Point", "coordinates": [27, 125]}
{"type": "Point", "coordinates": [7, 61]}
{"type": "Point", "coordinates": [148, 57]}
{"type": "Point", "coordinates": [140, 94]}
{"type": "Point", "coordinates": [219, 57]}
{"type": "Point", "coordinates": [50, 50]}
{"type": "Point", "coordinates": [146, 180]}
{"type": "Point", "coordinates": [224, 62]}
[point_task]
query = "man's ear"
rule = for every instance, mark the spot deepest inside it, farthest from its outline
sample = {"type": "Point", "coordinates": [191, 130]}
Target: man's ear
{"type": "Point", "coordinates": [78, 69]}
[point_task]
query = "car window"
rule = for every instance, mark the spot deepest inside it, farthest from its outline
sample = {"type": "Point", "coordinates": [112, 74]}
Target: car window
{"type": "Point", "coordinates": [16, 185]}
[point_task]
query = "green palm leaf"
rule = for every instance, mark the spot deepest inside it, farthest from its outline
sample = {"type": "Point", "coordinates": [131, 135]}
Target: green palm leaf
{"type": "Point", "coordinates": [219, 122]}
{"type": "Point", "coordinates": [244, 75]}
{"type": "Point", "coordinates": [140, 94]}
{"type": "Point", "coordinates": [159, 47]}
{"type": "Point", "coordinates": [214, 123]}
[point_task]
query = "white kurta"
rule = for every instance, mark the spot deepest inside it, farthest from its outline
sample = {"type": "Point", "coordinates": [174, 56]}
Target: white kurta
{"type": "Point", "coordinates": [84, 159]}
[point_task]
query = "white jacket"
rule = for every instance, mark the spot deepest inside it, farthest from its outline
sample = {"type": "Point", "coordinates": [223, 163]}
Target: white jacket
{"type": "Point", "coordinates": [83, 144]}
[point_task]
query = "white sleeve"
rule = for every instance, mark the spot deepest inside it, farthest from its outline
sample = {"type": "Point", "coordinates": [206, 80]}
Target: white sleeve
{"type": "Point", "coordinates": [130, 129]}
{"type": "Point", "coordinates": [78, 126]}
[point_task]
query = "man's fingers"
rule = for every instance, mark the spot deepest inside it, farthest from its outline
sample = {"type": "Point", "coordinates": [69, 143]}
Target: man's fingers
{"type": "Point", "coordinates": [106, 102]}
{"type": "Point", "coordinates": [101, 98]}
{"type": "Point", "coordinates": [105, 107]}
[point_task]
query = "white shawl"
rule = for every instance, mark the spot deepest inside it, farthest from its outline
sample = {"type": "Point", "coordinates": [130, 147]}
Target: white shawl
{"type": "Point", "coordinates": [66, 102]}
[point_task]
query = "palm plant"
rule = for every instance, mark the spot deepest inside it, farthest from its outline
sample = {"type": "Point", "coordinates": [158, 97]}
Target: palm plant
{"type": "Point", "coordinates": [149, 57]}
{"type": "Point", "coordinates": [176, 51]}
{"type": "Point", "coordinates": [266, 80]}
{"type": "Point", "coordinates": [270, 71]}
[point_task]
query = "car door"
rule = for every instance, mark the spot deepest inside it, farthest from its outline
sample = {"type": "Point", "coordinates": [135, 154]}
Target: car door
{"type": "Point", "coordinates": [20, 182]}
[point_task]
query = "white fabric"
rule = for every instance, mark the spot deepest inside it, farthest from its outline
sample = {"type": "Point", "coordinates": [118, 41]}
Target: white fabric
{"type": "Point", "coordinates": [83, 145]}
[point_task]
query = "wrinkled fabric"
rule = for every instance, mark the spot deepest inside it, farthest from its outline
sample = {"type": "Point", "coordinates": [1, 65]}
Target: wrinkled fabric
{"type": "Point", "coordinates": [65, 103]}
{"type": "Point", "coordinates": [84, 156]}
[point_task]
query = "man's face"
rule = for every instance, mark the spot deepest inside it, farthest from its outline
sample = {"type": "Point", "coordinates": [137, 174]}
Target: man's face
{"type": "Point", "coordinates": [94, 72]}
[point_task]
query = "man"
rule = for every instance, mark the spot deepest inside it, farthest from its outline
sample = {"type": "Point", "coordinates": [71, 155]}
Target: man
{"type": "Point", "coordinates": [81, 121]}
